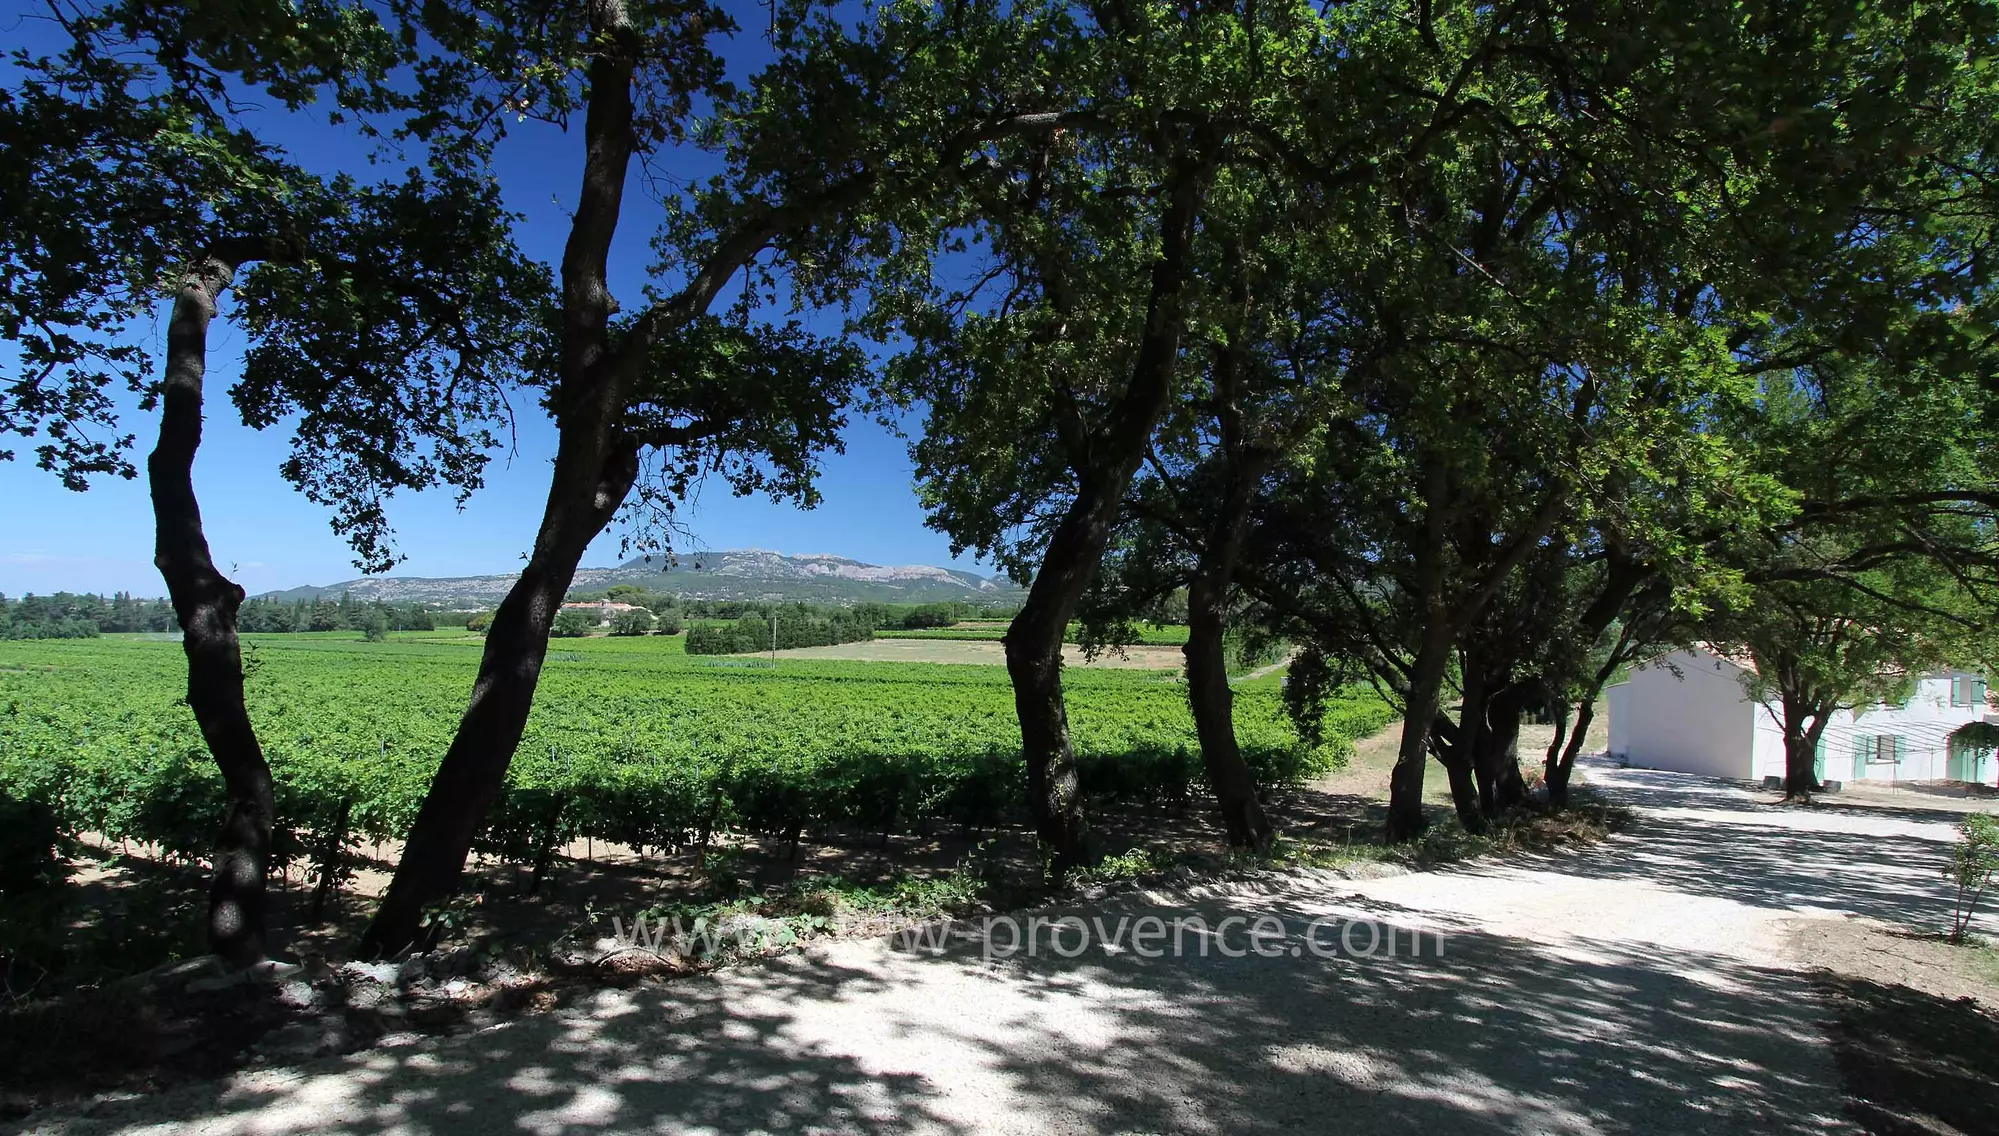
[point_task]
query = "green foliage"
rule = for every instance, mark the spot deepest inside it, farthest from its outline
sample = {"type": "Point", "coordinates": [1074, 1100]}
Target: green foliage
{"type": "Point", "coordinates": [752, 633]}
{"type": "Point", "coordinates": [28, 847]}
{"type": "Point", "coordinates": [639, 622]}
{"type": "Point", "coordinates": [384, 321]}
{"type": "Point", "coordinates": [33, 902]}
{"type": "Point", "coordinates": [571, 623]}
{"type": "Point", "coordinates": [632, 742]}
{"type": "Point", "coordinates": [1973, 861]}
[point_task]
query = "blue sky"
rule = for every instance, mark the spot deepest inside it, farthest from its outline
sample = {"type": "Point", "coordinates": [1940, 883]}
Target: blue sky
{"type": "Point", "coordinates": [268, 536]}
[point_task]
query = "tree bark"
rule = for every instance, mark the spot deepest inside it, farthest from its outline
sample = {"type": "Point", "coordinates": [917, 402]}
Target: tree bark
{"type": "Point", "coordinates": [205, 603]}
{"type": "Point", "coordinates": [595, 467]}
{"type": "Point", "coordinates": [1471, 742]}
{"type": "Point", "coordinates": [1555, 748]}
{"type": "Point", "coordinates": [1405, 783]}
{"type": "Point", "coordinates": [1498, 754]}
{"type": "Point", "coordinates": [1562, 769]}
{"type": "Point", "coordinates": [1804, 723]}
{"type": "Point", "coordinates": [1213, 704]}
{"type": "Point", "coordinates": [1426, 675]}
{"type": "Point", "coordinates": [1034, 664]}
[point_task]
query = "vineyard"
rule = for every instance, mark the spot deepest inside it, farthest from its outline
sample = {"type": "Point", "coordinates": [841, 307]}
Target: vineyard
{"type": "Point", "coordinates": [631, 741]}
{"type": "Point", "coordinates": [1146, 634]}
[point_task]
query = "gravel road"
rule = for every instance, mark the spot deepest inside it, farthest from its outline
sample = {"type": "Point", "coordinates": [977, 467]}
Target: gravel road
{"type": "Point", "coordinates": [1640, 987]}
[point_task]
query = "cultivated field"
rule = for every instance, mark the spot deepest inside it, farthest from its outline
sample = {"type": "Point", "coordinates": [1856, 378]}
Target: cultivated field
{"type": "Point", "coordinates": [906, 648]}
{"type": "Point", "coordinates": [631, 743]}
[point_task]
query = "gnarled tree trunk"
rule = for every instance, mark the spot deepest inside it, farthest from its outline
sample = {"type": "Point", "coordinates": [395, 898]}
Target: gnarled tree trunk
{"type": "Point", "coordinates": [1804, 723]}
{"type": "Point", "coordinates": [1498, 757]}
{"type": "Point", "coordinates": [1213, 704]}
{"type": "Point", "coordinates": [1405, 783]}
{"type": "Point", "coordinates": [1034, 663]}
{"type": "Point", "coordinates": [205, 602]}
{"type": "Point", "coordinates": [475, 767]}
{"type": "Point", "coordinates": [1562, 766]}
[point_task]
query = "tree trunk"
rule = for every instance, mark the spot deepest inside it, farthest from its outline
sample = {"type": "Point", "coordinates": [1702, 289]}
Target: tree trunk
{"type": "Point", "coordinates": [475, 767]}
{"type": "Point", "coordinates": [1034, 663]}
{"type": "Point", "coordinates": [1555, 748]}
{"type": "Point", "coordinates": [595, 466]}
{"type": "Point", "coordinates": [205, 603]}
{"type": "Point", "coordinates": [1804, 722]}
{"type": "Point", "coordinates": [1471, 743]}
{"type": "Point", "coordinates": [1405, 784]}
{"type": "Point", "coordinates": [1499, 750]}
{"type": "Point", "coordinates": [1560, 771]}
{"type": "Point", "coordinates": [1212, 702]}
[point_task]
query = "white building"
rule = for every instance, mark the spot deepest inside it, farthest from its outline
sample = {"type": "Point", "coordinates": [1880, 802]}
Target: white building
{"type": "Point", "coordinates": [602, 611]}
{"type": "Point", "coordinates": [1691, 711]}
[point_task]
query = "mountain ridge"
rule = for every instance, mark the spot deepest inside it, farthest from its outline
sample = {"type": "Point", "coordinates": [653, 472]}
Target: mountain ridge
{"type": "Point", "coordinates": [729, 574]}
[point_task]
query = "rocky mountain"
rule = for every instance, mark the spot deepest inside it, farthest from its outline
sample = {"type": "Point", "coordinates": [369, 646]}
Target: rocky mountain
{"type": "Point", "coordinates": [735, 574]}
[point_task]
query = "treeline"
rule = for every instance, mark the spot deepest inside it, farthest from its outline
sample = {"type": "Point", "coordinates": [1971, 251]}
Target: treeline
{"type": "Point", "coordinates": [754, 632]}
{"type": "Point", "coordinates": [880, 616]}
{"type": "Point", "coordinates": [344, 614]}
{"type": "Point", "coordinates": [71, 615]}
{"type": "Point", "coordinates": [66, 615]}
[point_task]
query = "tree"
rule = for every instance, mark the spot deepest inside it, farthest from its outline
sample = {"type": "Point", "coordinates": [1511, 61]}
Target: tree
{"type": "Point", "coordinates": [1885, 568]}
{"type": "Point", "coordinates": [1580, 336]}
{"type": "Point", "coordinates": [847, 120]}
{"type": "Point", "coordinates": [1047, 372]}
{"type": "Point", "coordinates": [1973, 862]}
{"type": "Point", "coordinates": [636, 622]}
{"type": "Point", "coordinates": [573, 623]}
{"type": "Point", "coordinates": [130, 166]}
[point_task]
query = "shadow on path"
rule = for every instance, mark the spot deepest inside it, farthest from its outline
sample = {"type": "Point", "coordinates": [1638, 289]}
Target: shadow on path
{"type": "Point", "coordinates": [1492, 1035]}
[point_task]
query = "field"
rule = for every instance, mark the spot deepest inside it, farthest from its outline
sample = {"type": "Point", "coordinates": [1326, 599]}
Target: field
{"type": "Point", "coordinates": [980, 630]}
{"type": "Point", "coordinates": [908, 648]}
{"type": "Point", "coordinates": [631, 741]}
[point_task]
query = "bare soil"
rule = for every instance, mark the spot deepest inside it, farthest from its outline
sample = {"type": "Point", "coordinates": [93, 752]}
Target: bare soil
{"type": "Point", "coordinates": [1915, 1024]}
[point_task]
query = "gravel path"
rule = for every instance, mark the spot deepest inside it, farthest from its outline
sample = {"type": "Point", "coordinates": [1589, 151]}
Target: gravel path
{"type": "Point", "coordinates": [1640, 987]}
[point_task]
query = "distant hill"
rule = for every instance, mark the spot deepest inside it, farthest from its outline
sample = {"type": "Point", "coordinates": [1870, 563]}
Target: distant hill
{"type": "Point", "coordinates": [736, 574]}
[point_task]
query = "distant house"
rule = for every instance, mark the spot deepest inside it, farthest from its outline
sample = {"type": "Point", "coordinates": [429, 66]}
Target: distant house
{"type": "Point", "coordinates": [1691, 711]}
{"type": "Point", "coordinates": [601, 611]}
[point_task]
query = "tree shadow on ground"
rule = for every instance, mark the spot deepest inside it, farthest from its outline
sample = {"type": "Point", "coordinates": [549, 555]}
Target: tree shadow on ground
{"type": "Point", "coordinates": [1323, 1032]}
{"type": "Point", "coordinates": [1704, 838]}
{"type": "Point", "coordinates": [1915, 1064]}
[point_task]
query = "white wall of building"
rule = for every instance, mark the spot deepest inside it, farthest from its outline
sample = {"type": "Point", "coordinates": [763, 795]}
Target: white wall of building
{"type": "Point", "coordinates": [1686, 711]}
{"type": "Point", "coordinates": [1923, 723]}
{"type": "Point", "coordinates": [1690, 711]}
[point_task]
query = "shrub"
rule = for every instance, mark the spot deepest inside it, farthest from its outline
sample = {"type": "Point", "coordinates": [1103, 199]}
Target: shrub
{"type": "Point", "coordinates": [479, 621]}
{"type": "Point", "coordinates": [1972, 864]}
{"type": "Point", "coordinates": [638, 621]}
{"type": "Point", "coordinates": [572, 624]}
{"type": "Point", "coordinates": [32, 913]}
